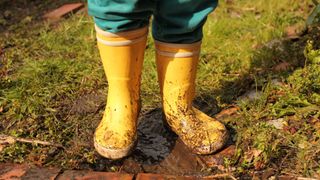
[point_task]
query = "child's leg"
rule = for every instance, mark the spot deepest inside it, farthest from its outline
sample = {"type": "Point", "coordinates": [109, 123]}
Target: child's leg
{"type": "Point", "coordinates": [120, 15]}
{"type": "Point", "coordinates": [181, 21]}
{"type": "Point", "coordinates": [122, 30]}
{"type": "Point", "coordinates": [178, 34]}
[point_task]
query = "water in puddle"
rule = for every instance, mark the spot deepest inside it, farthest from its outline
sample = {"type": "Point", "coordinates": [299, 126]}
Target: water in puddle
{"type": "Point", "coordinates": [159, 150]}
{"type": "Point", "coordinates": [155, 140]}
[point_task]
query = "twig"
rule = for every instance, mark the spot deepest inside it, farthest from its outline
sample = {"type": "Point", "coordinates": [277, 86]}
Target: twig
{"type": "Point", "coordinates": [303, 178]}
{"type": "Point", "coordinates": [5, 139]}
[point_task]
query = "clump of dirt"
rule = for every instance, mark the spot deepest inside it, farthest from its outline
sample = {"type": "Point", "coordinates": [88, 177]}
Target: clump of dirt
{"type": "Point", "coordinates": [90, 103]}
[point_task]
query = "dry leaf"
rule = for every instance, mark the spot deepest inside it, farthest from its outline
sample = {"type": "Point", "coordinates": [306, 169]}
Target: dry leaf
{"type": "Point", "coordinates": [252, 154]}
{"type": "Point", "coordinates": [278, 123]}
{"type": "Point", "coordinates": [4, 140]}
{"type": "Point", "coordinates": [227, 112]}
{"type": "Point", "coordinates": [291, 31]}
{"type": "Point", "coordinates": [282, 66]}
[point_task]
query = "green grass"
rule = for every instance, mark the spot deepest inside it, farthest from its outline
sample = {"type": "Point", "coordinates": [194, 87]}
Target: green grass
{"type": "Point", "coordinates": [47, 70]}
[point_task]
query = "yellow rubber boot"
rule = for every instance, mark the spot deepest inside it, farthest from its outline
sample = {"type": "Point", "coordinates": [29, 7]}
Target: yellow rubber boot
{"type": "Point", "coordinates": [177, 65]}
{"type": "Point", "coordinates": [122, 57]}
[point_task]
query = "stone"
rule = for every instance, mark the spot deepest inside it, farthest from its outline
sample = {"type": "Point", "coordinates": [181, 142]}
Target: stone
{"type": "Point", "coordinates": [251, 96]}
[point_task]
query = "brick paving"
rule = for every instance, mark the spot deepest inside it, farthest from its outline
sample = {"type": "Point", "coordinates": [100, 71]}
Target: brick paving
{"type": "Point", "coordinates": [30, 172]}
{"type": "Point", "coordinates": [23, 171]}
{"type": "Point", "coordinates": [88, 175]}
{"type": "Point", "coordinates": [10, 171]}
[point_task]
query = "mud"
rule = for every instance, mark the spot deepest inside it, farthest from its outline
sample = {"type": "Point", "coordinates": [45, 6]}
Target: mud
{"type": "Point", "coordinates": [22, 12]}
{"type": "Point", "coordinates": [155, 140]}
{"type": "Point", "coordinates": [90, 103]}
{"type": "Point", "coordinates": [159, 150]}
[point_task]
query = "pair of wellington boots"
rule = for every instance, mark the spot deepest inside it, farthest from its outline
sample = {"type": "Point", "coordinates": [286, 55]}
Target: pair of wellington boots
{"type": "Point", "coordinates": [122, 56]}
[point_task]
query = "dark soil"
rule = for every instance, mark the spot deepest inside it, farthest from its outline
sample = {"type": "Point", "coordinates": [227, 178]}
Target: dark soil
{"type": "Point", "coordinates": [14, 12]}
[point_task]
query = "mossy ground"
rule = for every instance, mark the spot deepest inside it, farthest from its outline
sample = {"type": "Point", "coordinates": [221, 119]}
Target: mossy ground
{"type": "Point", "coordinates": [53, 88]}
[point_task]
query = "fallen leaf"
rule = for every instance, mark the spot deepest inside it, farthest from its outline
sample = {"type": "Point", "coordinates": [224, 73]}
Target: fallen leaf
{"type": "Point", "coordinates": [282, 66]}
{"type": "Point", "coordinates": [291, 31]}
{"type": "Point", "coordinates": [277, 123]}
{"type": "Point", "coordinates": [227, 112]}
{"type": "Point", "coordinates": [235, 14]}
{"type": "Point", "coordinates": [304, 145]}
{"type": "Point", "coordinates": [252, 154]}
{"type": "Point", "coordinates": [4, 140]}
{"type": "Point", "coordinates": [229, 1]}
{"type": "Point", "coordinates": [277, 82]}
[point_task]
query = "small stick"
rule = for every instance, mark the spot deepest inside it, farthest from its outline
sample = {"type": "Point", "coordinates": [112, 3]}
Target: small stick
{"type": "Point", "coordinates": [5, 139]}
{"type": "Point", "coordinates": [303, 178]}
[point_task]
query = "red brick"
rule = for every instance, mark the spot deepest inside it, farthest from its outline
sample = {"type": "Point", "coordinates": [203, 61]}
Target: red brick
{"type": "Point", "coordinates": [23, 171]}
{"type": "Point", "coordinates": [145, 176]}
{"type": "Point", "coordinates": [149, 176]}
{"type": "Point", "coordinates": [12, 171]}
{"type": "Point", "coordinates": [41, 173]}
{"type": "Point", "coordinates": [91, 175]}
{"type": "Point", "coordinates": [63, 11]}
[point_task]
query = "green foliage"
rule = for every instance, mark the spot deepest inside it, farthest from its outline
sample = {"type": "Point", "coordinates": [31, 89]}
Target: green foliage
{"type": "Point", "coordinates": [314, 17]}
{"type": "Point", "coordinates": [312, 55]}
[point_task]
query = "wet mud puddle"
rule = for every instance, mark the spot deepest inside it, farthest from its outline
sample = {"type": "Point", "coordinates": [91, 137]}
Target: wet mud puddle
{"type": "Point", "coordinates": [159, 150]}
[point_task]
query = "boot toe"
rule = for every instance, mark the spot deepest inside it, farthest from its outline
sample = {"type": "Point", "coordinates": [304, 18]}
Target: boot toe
{"type": "Point", "coordinates": [214, 143]}
{"type": "Point", "coordinates": [113, 152]}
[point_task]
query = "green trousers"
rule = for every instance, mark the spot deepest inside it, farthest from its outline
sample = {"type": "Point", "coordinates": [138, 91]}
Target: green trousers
{"type": "Point", "coordinates": [174, 21]}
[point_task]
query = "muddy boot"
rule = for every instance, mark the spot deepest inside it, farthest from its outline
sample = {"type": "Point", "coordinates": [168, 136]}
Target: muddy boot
{"type": "Point", "coordinates": [177, 65]}
{"type": "Point", "coordinates": [122, 57]}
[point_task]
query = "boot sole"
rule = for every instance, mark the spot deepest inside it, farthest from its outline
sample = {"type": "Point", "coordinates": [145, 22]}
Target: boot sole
{"type": "Point", "coordinates": [113, 153]}
{"type": "Point", "coordinates": [214, 147]}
